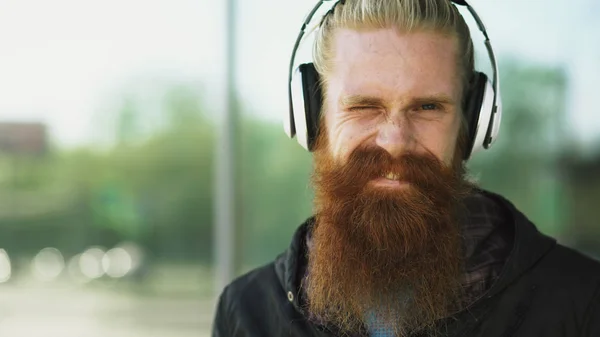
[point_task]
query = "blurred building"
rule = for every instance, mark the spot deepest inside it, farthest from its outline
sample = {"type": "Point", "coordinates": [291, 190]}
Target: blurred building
{"type": "Point", "coordinates": [23, 138]}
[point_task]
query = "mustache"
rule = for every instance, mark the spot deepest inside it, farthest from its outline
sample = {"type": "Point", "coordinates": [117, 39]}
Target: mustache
{"type": "Point", "coordinates": [366, 163]}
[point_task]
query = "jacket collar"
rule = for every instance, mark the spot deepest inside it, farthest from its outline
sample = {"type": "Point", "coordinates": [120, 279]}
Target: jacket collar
{"type": "Point", "coordinates": [288, 265]}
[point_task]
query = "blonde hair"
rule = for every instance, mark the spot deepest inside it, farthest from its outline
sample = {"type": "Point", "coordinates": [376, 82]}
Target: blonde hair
{"type": "Point", "coordinates": [405, 15]}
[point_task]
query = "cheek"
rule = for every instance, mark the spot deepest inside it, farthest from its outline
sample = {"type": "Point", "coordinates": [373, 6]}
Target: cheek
{"type": "Point", "coordinates": [345, 134]}
{"type": "Point", "coordinates": [449, 140]}
{"type": "Point", "coordinates": [439, 138]}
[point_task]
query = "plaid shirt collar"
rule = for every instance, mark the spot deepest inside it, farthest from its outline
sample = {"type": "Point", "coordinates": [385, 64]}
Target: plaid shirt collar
{"type": "Point", "coordinates": [487, 243]}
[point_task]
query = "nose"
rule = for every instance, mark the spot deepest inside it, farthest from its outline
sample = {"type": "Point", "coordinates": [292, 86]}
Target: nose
{"type": "Point", "coordinates": [395, 135]}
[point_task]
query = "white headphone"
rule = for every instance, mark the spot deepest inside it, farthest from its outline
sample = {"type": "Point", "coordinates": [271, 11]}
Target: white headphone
{"type": "Point", "coordinates": [483, 106]}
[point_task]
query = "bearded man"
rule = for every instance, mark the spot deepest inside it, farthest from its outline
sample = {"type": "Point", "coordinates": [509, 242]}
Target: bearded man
{"type": "Point", "coordinates": [401, 243]}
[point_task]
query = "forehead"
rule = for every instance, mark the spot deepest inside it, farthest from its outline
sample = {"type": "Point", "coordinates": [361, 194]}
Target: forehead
{"type": "Point", "coordinates": [386, 61]}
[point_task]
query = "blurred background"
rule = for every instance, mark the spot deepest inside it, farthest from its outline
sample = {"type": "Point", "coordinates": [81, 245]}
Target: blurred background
{"type": "Point", "coordinates": [143, 161]}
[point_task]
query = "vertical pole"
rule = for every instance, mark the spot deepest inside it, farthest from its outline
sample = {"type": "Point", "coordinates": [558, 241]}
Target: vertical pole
{"type": "Point", "coordinates": [225, 170]}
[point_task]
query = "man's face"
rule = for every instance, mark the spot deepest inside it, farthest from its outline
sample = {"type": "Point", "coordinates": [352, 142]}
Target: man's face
{"type": "Point", "coordinates": [397, 91]}
{"type": "Point", "coordinates": [386, 241]}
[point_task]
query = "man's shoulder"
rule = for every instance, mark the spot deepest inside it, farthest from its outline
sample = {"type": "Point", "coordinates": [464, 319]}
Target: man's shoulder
{"type": "Point", "coordinates": [576, 260]}
{"type": "Point", "coordinates": [274, 280]}
{"type": "Point", "coordinates": [254, 301]}
{"type": "Point", "coordinates": [571, 268]}
{"type": "Point", "coordinates": [254, 281]}
{"type": "Point", "coordinates": [536, 251]}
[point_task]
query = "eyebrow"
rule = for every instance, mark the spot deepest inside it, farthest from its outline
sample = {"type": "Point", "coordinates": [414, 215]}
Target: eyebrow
{"type": "Point", "coordinates": [362, 100]}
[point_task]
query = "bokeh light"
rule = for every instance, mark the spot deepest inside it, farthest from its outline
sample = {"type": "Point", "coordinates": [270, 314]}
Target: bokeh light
{"type": "Point", "coordinates": [116, 262]}
{"type": "Point", "coordinates": [5, 266]}
{"type": "Point", "coordinates": [90, 263]}
{"type": "Point", "coordinates": [48, 264]}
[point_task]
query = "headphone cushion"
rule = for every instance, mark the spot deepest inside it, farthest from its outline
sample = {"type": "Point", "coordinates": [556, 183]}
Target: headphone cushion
{"type": "Point", "coordinates": [313, 98]}
{"type": "Point", "coordinates": [472, 109]}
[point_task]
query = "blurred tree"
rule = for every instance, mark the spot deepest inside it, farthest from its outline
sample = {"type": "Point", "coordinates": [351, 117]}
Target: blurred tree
{"type": "Point", "coordinates": [156, 191]}
{"type": "Point", "coordinates": [183, 107]}
{"type": "Point", "coordinates": [169, 176]}
{"type": "Point", "coordinates": [583, 193]}
{"type": "Point", "coordinates": [128, 122]}
{"type": "Point", "coordinates": [276, 196]}
{"type": "Point", "coordinates": [522, 165]}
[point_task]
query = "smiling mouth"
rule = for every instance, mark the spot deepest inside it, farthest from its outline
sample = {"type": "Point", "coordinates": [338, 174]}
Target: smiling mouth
{"type": "Point", "coordinates": [390, 180]}
{"type": "Point", "coordinates": [391, 176]}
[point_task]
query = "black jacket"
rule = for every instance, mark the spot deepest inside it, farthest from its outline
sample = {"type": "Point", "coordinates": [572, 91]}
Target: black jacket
{"type": "Point", "coordinates": [545, 289]}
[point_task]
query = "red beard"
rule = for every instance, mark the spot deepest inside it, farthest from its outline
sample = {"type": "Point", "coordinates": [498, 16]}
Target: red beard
{"type": "Point", "coordinates": [394, 253]}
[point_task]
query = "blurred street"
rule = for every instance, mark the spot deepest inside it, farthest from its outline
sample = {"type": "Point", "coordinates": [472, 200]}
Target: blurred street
{"type": "Point", "coordinates": [36, 310]}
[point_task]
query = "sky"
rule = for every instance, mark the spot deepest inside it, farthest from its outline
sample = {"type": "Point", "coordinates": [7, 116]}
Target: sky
{"type": "Point", "coordinates": [70, 62]}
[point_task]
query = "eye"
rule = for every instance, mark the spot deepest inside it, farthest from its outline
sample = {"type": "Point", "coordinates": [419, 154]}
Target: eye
{"type": "Point", "coordinates": [430, 106]}
{"type": "Point", "coordinates": [365, 110]}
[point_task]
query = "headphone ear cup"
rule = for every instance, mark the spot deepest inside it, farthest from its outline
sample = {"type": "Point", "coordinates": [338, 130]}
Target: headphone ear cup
{"type": "Point", "coordinates": [472, 110]}
{"type": "Point", "coordinates": [313, 99]}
